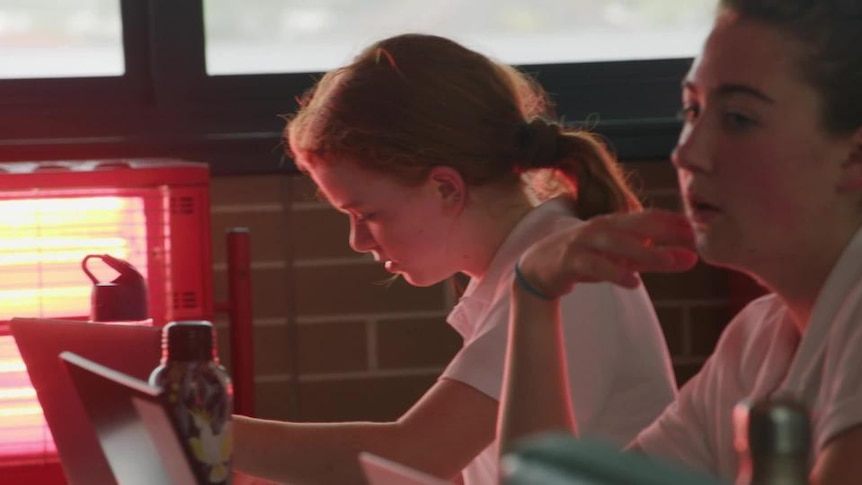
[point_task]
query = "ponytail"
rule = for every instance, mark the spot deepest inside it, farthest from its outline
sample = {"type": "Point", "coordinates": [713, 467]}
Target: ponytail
{"type": "Point", "coordinates": [581, 166]}
{"type": "Point", "coordinates": [599, 180]}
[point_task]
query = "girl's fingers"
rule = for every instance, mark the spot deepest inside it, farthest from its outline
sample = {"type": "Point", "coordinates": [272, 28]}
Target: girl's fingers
{"type": "Point", "coordinates": [631, 251]}
{"type": "Point", "coordinates": [612, 248]}
{"type": "Point", "coordinates": [683, 259]}
{"type": "Point", "coordinates": [661, 227]}
{"type": "Point", "coordinates": [598, 267]}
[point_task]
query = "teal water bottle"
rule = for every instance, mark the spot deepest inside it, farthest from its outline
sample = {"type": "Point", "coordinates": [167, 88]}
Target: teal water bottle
{"type": "Point", "coordinates": [201, 395]}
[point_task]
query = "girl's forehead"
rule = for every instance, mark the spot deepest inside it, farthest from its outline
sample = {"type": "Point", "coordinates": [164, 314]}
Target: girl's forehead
{"type": "Point", "coordinates": [345, 184]}
{"type": "Point", "coordinates": [336, 183]}
{"type": "Point", "coordinates": [739, 52]}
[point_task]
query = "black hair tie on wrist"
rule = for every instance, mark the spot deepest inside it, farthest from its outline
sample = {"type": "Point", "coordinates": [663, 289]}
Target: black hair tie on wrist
{"type": "Point", "coordinates": [523, 283]}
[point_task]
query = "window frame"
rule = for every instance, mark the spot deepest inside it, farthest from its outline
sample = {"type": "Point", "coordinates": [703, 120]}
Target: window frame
{"type": "Point", "coordinates": [167, 105]}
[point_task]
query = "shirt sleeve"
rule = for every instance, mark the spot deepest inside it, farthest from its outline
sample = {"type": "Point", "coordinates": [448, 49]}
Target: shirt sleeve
{"type": "Point", "coordinates": [481, 361]}
{"type": "Point", "coordinates": [841, 404]}
{"type": "Point", "coordinates": [593, 324]}
{"type": "Point", "coordinates": [680, 433]}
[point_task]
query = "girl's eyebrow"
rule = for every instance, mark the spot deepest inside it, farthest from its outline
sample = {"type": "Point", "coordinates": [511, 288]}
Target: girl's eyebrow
{"type": "Point", "coordinates": [731, 89]}
{"type": "Point", "coordinates": [349, 205]}
{"type": "Point", "coordinates": [726, 90]}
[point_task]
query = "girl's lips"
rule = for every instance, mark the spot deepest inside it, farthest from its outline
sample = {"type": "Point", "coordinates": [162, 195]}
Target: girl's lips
{"type": "Point", "coordinates": [700, 211]}
{"type": "Point", "coordinates": [388, 264]}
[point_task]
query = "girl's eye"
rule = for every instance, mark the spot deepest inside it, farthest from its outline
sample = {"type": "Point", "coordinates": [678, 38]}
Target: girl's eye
{"type": "Point", "coordinates": [689, 113]}
{"type": "Point", "coordinates": [738, 121]}
{"type": "Point", "coordinates": [365, 217]}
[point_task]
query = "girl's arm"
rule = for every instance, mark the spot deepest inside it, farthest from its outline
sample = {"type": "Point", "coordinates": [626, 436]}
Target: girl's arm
{"type": "Point", "coordinates": [440, 435]}
{"type": "Point", "coordinates": [536, 396]}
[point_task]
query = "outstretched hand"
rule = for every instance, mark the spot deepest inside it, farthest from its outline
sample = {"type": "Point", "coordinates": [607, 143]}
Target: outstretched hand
{"type": "Point", "coordinates": [612, 248]}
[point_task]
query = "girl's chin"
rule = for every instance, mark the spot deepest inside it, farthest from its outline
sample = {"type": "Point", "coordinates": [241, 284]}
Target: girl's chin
{"type": "Point", "coordinates": [420, 281]}
{"type": "Point", "coordinates": [416, 281]}
{"type": "Point", "coordinates": [716, 252]}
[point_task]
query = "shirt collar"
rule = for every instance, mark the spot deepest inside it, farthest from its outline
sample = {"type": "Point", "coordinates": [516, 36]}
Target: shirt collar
{"type": "Point", "coordinates": [845, 273]}
{"type": "Point", "coordinates": [539, 222]}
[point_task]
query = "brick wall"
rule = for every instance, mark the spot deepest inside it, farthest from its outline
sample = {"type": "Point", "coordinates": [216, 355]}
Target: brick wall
{"type": "Point", "coordinates": [335, 341]}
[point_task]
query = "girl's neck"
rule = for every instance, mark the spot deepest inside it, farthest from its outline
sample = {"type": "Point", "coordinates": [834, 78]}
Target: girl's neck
{"type": "Point", "coordinates": [799, 279]}
{"type": "Point", "coordinates": [491, 215]}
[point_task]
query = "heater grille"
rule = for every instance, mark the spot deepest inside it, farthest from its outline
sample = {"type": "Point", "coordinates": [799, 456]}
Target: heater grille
{"type": "Point", "coordinates": [182, 206]}
{"type": "Point", "coordinates": [184, 300]}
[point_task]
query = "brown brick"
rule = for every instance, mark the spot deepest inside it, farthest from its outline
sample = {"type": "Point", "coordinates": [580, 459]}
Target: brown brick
{"type": "Point", "coordinates": [302, 189]}
{"type": "Point", "coordinates": [662, 201]}
{"type": "Point", "coordinates": [742, 289]}
{"type": "Point", "coordinates": [671, 319]}
{"type": "Point", "coordinates": [357, 289]}
{"type": "Point", "coordinates": [332, 347]}
{"type": "Point", "coordinates": [271, 349]}
{"type": "Point", "coordinates": [320, 233]}
{"type": "Point", "coordinates": [652, 174]}
{"type": "Point", "coordinates": [706, 325]}
{"type": "Point", "coordinates": [273, 400]}
{"type": "Point", "coordinates": [268, 291]}
{"type": "Point", "coordinates": [370, 399]}
{"type": "Point", "coordinates": [701, 282]}
{"type": "Point", "coordinates": [250, 190]}
{"type": "Point", "coordinates": [266, 233]}
{"type": "Point", "coordinates": [686, 371]}
{"type": "Point", "coordinates": [416, 343]}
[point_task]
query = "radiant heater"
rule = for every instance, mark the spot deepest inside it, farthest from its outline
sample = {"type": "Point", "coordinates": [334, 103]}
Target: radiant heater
{"type": "Point", "coordinates": [153, 213]}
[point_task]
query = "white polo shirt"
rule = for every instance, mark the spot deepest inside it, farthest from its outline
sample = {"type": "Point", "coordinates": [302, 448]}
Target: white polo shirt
{"type": "Point", "coordinates": [619, 368]}
{"type": "Point", "coordinates": [762, 353]}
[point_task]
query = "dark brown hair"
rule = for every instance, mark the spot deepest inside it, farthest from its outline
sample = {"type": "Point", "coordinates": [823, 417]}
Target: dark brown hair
{"type": "Point", "coordinates": [831, 32]}
{"type": "Point", "coordinates": [411, 102]}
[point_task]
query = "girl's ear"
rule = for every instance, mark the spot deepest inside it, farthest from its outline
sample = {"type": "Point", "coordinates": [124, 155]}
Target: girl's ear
{"type": "Point", "coordinates": [449, 186]}
{"type": "Point", "coordinates": [851, 170]}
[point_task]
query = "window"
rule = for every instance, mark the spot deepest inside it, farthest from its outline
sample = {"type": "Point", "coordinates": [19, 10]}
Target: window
{"type": "Point", "coordinates": [48, 39]}
{"type": "Point", "coordinates": [278, 36]}
{"type": "Point", "coordinates": [207, 79]}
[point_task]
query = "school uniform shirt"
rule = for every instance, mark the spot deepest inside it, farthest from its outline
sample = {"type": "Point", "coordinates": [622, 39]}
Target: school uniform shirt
{"type": "Point", "coordinates": [619, 368]}
{"type": "Point", "coordinates": [760, 354]}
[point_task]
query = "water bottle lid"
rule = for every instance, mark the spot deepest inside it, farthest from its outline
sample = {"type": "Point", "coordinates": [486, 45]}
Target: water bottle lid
{"type": "Point", "coordinates": [188, 341]}
{"type": "Point", "coordinates": [123, 299]}
{"type": "Point", "coordinates": [114, 303]}
{"type": "Point", "coordinates": [778, 426]}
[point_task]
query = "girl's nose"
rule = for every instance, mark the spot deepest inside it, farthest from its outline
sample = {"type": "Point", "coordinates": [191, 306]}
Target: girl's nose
{"type": "Point", "coordinates": [361, 240]}
{"type": "Point", "coordinates": [693, 148]}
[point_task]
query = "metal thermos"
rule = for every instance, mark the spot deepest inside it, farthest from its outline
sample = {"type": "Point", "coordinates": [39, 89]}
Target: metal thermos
{"type": "Point", "coordinates": [773, 439]}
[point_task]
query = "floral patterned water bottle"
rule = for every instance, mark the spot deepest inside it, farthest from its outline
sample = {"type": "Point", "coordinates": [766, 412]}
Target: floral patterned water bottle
{"type": "Point", "coordinates": [201, 394]}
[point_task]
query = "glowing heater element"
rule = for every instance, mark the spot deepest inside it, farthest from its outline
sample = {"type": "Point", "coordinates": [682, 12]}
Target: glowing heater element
{"type": "Point", "coordinates": [42, 243]}
{"type": "Point", "coordinates": [23, 426]}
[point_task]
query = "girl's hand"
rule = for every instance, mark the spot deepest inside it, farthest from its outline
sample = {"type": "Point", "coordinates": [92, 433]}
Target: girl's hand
{"type": "Point", "coordinates": [610, 248]}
